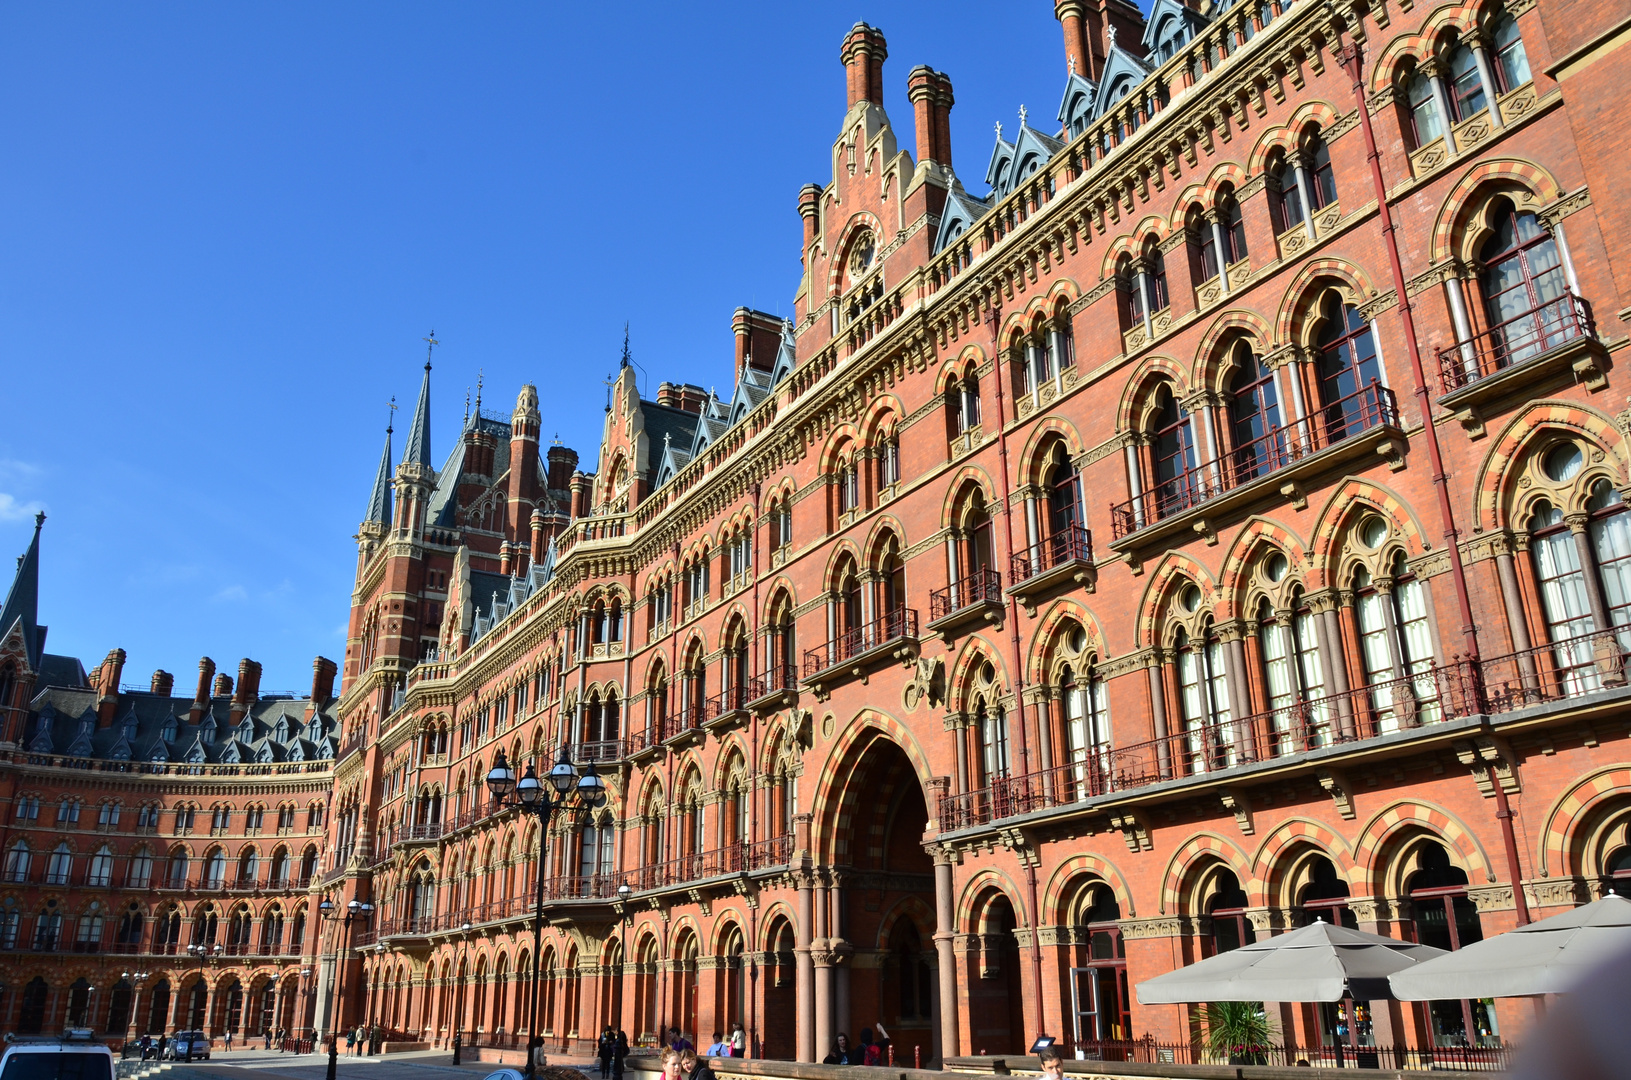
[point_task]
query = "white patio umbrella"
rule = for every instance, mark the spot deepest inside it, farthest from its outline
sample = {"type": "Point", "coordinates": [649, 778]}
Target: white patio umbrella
{"type": "Point", "coordinates": [1319, 962]}
{"type": "Point", "coordinates": [1546, 957]}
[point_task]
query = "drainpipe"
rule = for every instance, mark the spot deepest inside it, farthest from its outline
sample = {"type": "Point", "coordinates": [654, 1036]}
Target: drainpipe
{"type": "Point", "coordinates": [1013, 627]}
{"type": "Point", "coordinates": [1349, 57]}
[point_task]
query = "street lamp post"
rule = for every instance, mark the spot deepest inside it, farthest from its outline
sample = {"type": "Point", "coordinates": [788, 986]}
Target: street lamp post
{"type": "Point", "coordinates": [623, 894]}
{"type": "Point", "coordinates": [203, 954]}
{"type": "Point", "coordinates": [137, 980]}
{"type": "Point", "coordinates": [354, 910]}
{"type": "Point", "coordinates": [532, 796]}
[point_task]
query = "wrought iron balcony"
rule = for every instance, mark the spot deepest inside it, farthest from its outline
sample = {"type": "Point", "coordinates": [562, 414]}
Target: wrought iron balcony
{"type": "Point", "coordinates": [972, 598]}
{"type": "Point", "coordinates": [852, 651]}
{"type": "Point", "coordinates": [772, 688]}
{"type": "Point", "coordinates": [1060, 559]}
{"type": "Point", "coordinates": [1554, 333]}
{"type": "Point", "coordinates": [1363, 421]}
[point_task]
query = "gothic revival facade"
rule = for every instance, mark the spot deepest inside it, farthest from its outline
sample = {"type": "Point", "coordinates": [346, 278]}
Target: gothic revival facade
{"type": "Point", "coordinates": [1216, 525]}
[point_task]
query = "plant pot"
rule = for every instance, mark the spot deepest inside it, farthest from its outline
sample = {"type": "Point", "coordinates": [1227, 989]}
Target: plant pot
{"type": "Point", "coordinates": [1256, 1057]}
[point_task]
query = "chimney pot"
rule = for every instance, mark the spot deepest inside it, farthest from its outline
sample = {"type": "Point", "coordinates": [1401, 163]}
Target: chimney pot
{"type": "Point", "coordinates": [323, 671]}
{"type": "Point", "coordinates": [223, 686]}
{"type": "Point", "coordinates": [863, 55]}
{"type": "Point", "coordinates": [201, 698]}
{"type": "Point", "coordinates": [163, 682]}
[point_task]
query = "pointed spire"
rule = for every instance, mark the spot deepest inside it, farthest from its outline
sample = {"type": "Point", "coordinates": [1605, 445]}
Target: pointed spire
{"type": "Point", "coordinates": [23, 601]}
{"type": "Point", "coordinates": [418, 449]}
{"type": "Point", "coordinates": [379, 501]}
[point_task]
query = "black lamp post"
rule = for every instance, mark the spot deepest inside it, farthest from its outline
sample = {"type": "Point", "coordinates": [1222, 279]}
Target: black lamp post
{"type": "Point", "coordinates": [354, 910]}
{"type": "Point", "coordinates": [532, 796]}
{"type": "Point", "coordinates": [623, 894]}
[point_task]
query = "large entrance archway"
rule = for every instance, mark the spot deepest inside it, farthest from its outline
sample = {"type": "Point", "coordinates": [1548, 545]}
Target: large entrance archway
{"type": "Point", "coordinates": [880, 900]}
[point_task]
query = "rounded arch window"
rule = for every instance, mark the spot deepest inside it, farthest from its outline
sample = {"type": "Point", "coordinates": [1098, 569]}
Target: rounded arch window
{"type": "Point", "coordinates": [1617, 872]}
{"type": "Point", "coordinates": [1524, 286]}
{"type": "Point", "coordinates": [1226, 905]}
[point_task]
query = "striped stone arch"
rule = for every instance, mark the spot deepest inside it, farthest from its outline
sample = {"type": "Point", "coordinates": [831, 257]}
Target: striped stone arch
{"type": "Point", "coordinates": [1135, 393]}
{"type": "Point", "coordinates": [1573, 812]}
{"type": "Point", "coordinates": [780, 910]}
{"type": "Point", "coordinates": [1064, 289]}
{"type": "Point", "coordinates": [735, 741]}
{"type": "Point", "coordinates": [1322, 113]}
{"type": "Point", "coordinates": [1072, 870]}
{"type": "Point", "coordinates": [1198, 847]}
{"type": "Point", "coordinates": [1266, 867]}
{"type": "Point", "coordinates": [1414, 814]}
{"type": "Point", "coordinates": [783, 489]}
{"type": "Point", "coordinates": [1042, 433]}
{"type": "Point", "coordinates": [878, 410]}
{"type": "Point", "coordinates": [1208, 369]}
{"type": "Point", "coordinates": [862, 219]}
{"type": "Point", "coordinates": [1462, 17]}
{"type": "Point", "coordinates": [1512, 175]}
{"type": "Point", "coordinates": [841, 434]}
{"type": "Point", "coordinates": [1352, 497]}
{"type": "Point", "coordinates": [683, 925]}
{"type": "Point", "coordinates": [723, 921]}
{"type": "Point", "coordinates": [1042, 637]}
{"type": "Point", "coordinates": [1225, 172]}
{"type": "Point", "coordinates": [778, 585]}
{"type": "Point", "coordinates": [644, 931]}
{"type": "Point", "coordinates": [1499, 470]}
{"type": "Point", "coordinates": [1416, 47]}
{"type": "Point", "coordinates": [846, 546]}
{"type": "Point", "coordinates": [966, 361]}
{"type": "Point", "coordinates": [978, 886]}
{"type": "Point", "coordinates": [1258, 532]}
{"type": "Point", "coordinates": [1173, 567]}
{"type": "Point", "coordinates": [1294, 306]}
{"type": "Point", "coordinates": [974, 651]}
{"type": "Point", "coordinates": [834, 796]}
{"type": "Point", "coordinates": [736, 610]}
{"type": "Point", "coordinates": [1131, 243]}
{"type": "Point", "coordinates": [957, 483]}
{"type": "Point", "coordinates": [776, 734]}
{"type": "Point", "coordinates": [884, 524]}
{"type": "Point", "coordinates": [912, 907]}
{"type": "Point", "coordinates": [1282, 137]}
{"type": "Point", "coordinates": [1194, 194]}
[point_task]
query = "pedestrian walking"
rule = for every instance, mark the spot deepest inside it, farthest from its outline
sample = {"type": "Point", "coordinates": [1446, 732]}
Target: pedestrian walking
{"type": "Point", "coordinates": [620, 1051]}
{"type": "Point", "coordinates": [229, 1041]}
{"type": "Point", "coordinates": [604, 1050]}
{"type": "Point", "coordinates": [739, 1040]}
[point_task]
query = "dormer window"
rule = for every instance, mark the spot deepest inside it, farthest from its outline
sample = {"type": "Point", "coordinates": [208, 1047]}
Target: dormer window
{"type": "Point", "coordinates": [168, 732]}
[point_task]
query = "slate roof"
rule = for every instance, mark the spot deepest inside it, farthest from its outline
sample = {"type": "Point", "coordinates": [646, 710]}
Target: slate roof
{"type": "Point", "coordinates": [22, 604]}
{"type": "Point", "coordinates": [148, 727]}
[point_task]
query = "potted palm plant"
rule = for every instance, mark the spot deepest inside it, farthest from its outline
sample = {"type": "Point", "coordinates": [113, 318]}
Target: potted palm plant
{"type": "Point", "coordinates": [1238, 1031]}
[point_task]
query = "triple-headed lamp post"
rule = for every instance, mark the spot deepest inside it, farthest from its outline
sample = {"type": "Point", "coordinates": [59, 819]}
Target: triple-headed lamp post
{"type": "Point", "coordinates": [532, 796]}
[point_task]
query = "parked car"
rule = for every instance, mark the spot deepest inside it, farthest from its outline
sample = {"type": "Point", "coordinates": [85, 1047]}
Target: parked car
{"type": "Point", "coordinates": [181, 1040]}
{"type": "Point", "coordinates": [76, 1056]}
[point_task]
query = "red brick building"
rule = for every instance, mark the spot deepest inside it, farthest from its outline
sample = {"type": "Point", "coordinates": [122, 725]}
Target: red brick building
{"type": "Point", "coordinates": [1218, 525]}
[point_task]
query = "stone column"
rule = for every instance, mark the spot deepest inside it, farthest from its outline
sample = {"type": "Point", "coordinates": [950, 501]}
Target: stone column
{"type": "Point", "coordinates": [945, 935]}
{"type": "Point", "coordinates": [804, 970]}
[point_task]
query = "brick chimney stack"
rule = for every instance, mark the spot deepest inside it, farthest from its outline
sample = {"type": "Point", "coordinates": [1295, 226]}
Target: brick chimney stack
{"type": "Point", "coordinates": [1072, 16]}
{"type": "Point", "coordinates": [863, 55]}
{"type": "Point", "coordinates": [323, 671]}
{"type": "Point", "coordinates": [201, 699]}
{"type": "Point", "coordinates": [809, 210]}
{"type": "Point", "coordinates": [249, 688]}
{"type": "Point", "coordinates": [930, 93]}
{"type": "Point", "coordinates": [582, 487]}
{"type": "Point", "coordinates": [523, 482]}
{"type": "Point", "coordinates": [562, 462]}
{"type": "Point", "coordinates": [223, 686]}
{"type": "Point", "coordinates": [538, 539]}
{"type": "Point", "coordinates": [106, 677]}
{"type": "Point", "coordinates": [163, 682]}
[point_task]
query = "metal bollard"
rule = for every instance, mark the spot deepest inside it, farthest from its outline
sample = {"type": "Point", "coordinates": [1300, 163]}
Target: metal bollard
{"type": "Point", "coordinates": [455, 1048]}
{"type": "Point", "coordinates": [917, 1057]}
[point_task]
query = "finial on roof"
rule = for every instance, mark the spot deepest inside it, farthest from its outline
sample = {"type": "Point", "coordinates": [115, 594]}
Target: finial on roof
{"type": "Point", "coordinates": [1112, 35]}
{"type": "Point", "coordinates": [1070, 63]}
{"type": "Point", "coordinates": [665, 440]}
{"type": "Point", "coordinates": [609, 382]}
{"type": "Point", "coordinates": [481, 377]}
{"type": "Point", "coordinates": [390, 417]}
{"type": "Point", "coordinates": [999, 129]}
{"type": "Point", "coordinates": [1022, 114]}
{"type": "Point", "coordinates": [431, 343]}
{"type": "Point", "coordinates": [625, 361]}
{"type": "Point", "coordinates": [467, 406]}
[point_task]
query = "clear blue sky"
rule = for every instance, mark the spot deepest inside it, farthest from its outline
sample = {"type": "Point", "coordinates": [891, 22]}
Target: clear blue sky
{"type": "Point", "coordinates": [224, 229]}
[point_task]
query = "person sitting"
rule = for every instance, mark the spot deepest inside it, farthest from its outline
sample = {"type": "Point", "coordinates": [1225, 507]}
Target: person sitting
{"type": "Point", "coordinates": [695, 1068]}
{"type": "Point", "coordinates": [719, 1047]}
{"type": "Point", "coordinates": [1053, 1067]}
{"type": "Point", "coordinates": [676, 1041]}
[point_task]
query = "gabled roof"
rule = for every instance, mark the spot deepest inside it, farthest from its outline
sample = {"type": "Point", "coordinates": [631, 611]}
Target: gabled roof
{"type": "Point", "coordinates": [1001, 164]}
{"type": "Point", "coordinates": [22, 608]}
{"type": "Point", "coordinates": [1122, 72]}
{"type": "Point", "coordinates": [1076, 105]}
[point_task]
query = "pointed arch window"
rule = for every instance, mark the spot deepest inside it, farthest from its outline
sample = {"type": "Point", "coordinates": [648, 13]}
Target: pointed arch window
{"type": "Point", "coordinates": [19, 859]}
{"type": "Point", "coordinates": [1172, 446]}
{"type": "Point", "coordinates": [59, 867]}
{"type": "Point", "coordinates": [139, 872]}
{"type": "Point", "coordinates": [991, 725]}
{"type": "Point", "coordinates": [1203, 697]}
{"type": "Point", "coordinates": [1396, 646]}
{"type": "Point", "coordinates": [1227, 908]}
{"type": "Point", "coordinates": [1259, 445]}
{"type": "Point", "coordinates": [1422, 101]}
{"type": "Point", "coordinates": [1086, 712]}
{"type": "Point", "coordinates": [100, 872]}
{"type": "Point", "coordinates": [215, 869]}
{"type": "Point", "coordinates": [1349, 370]}
{"type": "Point", "coordinates": [1511, 62]}
{"type": "Point", "coordinates": [1524, 286]}
{"type": "Point", "coordinates": [1293, 678]}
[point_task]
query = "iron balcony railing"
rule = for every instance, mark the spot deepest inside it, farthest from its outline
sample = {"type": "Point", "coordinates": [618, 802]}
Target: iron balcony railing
{"type": "Point", "coordinates": [1526, 336]}
{"type": "Point", "coordinates": [1147, 1050]}
{"type": "Point", "coordinates": [892, 626]}
{"type": "Point", "coordinates": [734, 858]}
{"type": "Point", "coordinates": [1072, 543]}
{"type": "Point", "coordinates": [1370, 407]}
{"type": "Point", "coordinates": [1198, 748]}
{"type": "Point", "coordinates": [780, 678]}
{"type": "Point", "coordinates": [598, 750]}
{"type": "Point", "coordinates": [976, 588]}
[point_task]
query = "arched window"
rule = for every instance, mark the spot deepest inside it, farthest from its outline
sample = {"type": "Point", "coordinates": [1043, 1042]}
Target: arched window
{"type": "Point", "coordinates": [249, 869]}
{"type": "Point", "coordinates": [19, 859]}
{"type": "Point", "coordinates": [1617, 872]}
{"type": "Point", "coordinates": [1467, 97]}
{"type": "Point", "coordinates": [1257, 440]}
{"type": "Point", "coordinates": [1524, 287]}
{"type": "Point", "coordinates": [271, 943]}
{"type": "Point", "coordinates": [1085, 705]}
{"type": "Point", "coordinates": [60, 866]}
{"type": "Point", "coordinates": [596, 850]}
{"type": "Point", "coordinates": [1203, 698]}
{"type": "Point", "coordinates": [1445, 918]}
{"type": "Point", "coordinates": [101, 868]}
{"type": "Point", "coordinates": [1347, 366]}
{"type": "Point", "coordinates": [176, 870]}
{"type": "Point", "coordinates": [1511, 62]}
{"type": "Point", "coordinates": [991, 725]}
{"type": "Point", "coordinates": [1396, 644]}
{"type": "Point", "coordinates": [167, 930]}
{"type": "Point", "coordinates": [1421, 99]}
{"type": "Point", "coordinates": [890, 573]}
{"type": "Point", "coordinates": [205, 924]}
{"type": "Point", "coordinates": [913, 976]}
{"type": "Point", "coordinates": [1063, 487]}
{"type": "Point", "coordinates": [280, 868]}
{"type": "Point", "coordinates": [1293, 676]}
{"type": "Point", "coordinates": [1226, 904]}
{"type": "Point", "coordinates": [1102, 990]}
{"type": "Point", "coordinates": [1324, 895]}
{"type": "Point", "coordinates": [1286, 193]}
{"type": "Point", "coordinates": [131, 925]}
{"type": "Point", "coordinates": [849, 598]}
{"type": "Point", "coordinates": [849, 486]}
{"type": "Point", "coordinates": [47, 928]}
{"type": "Point", "coordinates": [1222, 233]}
{"type": "Point", "coordinates": [1172, 448]}
{"type": "Point", "coordinates": [88, 936]}
{"type": "Point", "coordinates": [888, 456]}
{"type": "Point", "coordinates": [783, 645]}
{"type": "Point", "coordinates": [1322, 180]}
